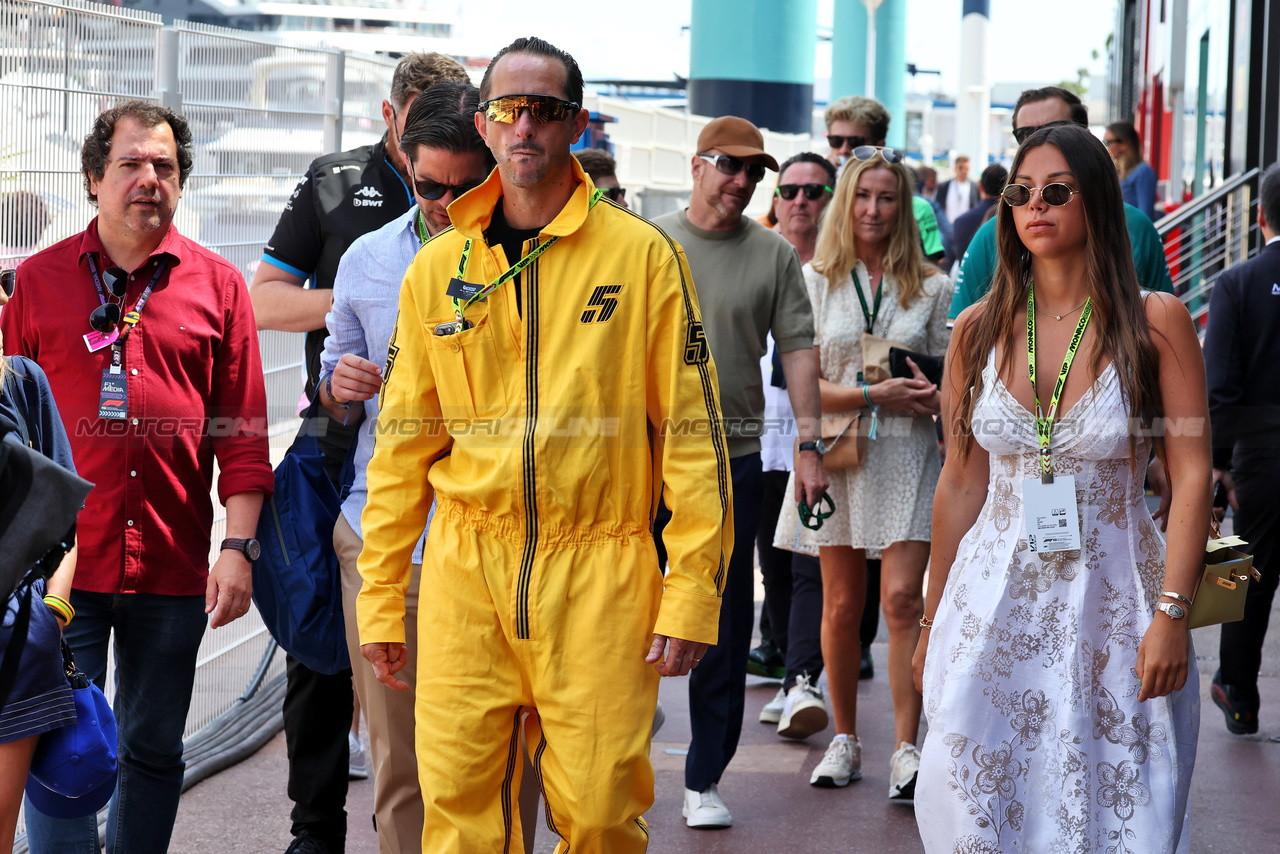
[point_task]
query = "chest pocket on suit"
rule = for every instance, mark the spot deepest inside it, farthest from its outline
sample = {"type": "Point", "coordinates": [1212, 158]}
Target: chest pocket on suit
{"type": "Point", "coordinates": [467, 368]}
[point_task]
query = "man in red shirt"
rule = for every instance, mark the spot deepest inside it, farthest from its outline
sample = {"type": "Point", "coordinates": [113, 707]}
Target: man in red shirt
{"type": "Point", "coordinates": [151, 350]}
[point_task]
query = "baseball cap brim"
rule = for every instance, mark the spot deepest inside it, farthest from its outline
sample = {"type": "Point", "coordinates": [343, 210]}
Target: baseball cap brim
{"type": "Point", "coordinates": [54, 805]}
{"type": "Point", "coordinates": [749, 154]}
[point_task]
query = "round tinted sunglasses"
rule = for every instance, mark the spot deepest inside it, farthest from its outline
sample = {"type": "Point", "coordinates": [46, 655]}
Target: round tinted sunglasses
{"type": "Point", "coordinates": [105, 317]}
{"type": "Point", "coordinates": [867, 152]}
{"type": "Point", "coordinates": [732, 166]}
{"type": "Point", "coordinates": [542, 108]}
{"type": "Point", "coordinates": [837, 141]}
{"type": "Point", "coordinates": [1057, 194]}
{"type": "Point", "coordinates": [812, 192]}
{"type": "Point", "coordinates": [432, 190]}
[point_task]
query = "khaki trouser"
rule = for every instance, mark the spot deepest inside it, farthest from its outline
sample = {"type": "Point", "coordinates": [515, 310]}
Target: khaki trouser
{"type": "Point", "coordinates": [397, 797]}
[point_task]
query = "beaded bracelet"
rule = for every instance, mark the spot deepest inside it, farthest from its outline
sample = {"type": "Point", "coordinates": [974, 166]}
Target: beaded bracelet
{"type": "Point", "coordinates": [61, 607]}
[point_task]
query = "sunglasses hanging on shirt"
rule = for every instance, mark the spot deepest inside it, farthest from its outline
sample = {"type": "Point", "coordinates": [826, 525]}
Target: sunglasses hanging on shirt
{"type": "Point", "coordinates": [105, 317]}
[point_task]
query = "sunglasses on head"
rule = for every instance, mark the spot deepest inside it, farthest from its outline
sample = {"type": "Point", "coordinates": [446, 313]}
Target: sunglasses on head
{"type": "Point", "coordinates": [615, 194]}
{"type": "Point", "coordinates": [733, 165]}
{"type": "Point", "coordinates": [105, 317]}
{"type": "Point", "coordinates": [432, 190]}
{"type": "Point", "coordinates": [838, 141]}
{"type": "Point", "coordinates": [888, 155]}
{"type": "Point", "coordinates": [542, 108]}
{"type": "Point", "coordinates": [812, 192]}
{"type": "Point", "coordinates": [1057, 194]}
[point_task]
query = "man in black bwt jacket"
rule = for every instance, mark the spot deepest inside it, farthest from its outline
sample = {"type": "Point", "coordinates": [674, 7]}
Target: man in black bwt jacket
{"type": "Point", "coordinates": [342, 197]}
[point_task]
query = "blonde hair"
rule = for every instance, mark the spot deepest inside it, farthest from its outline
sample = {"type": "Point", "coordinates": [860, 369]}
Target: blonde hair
{"type": "Point", "coordinates": [858, 110]}
{"type": "Point", "coordinates": [836, 253]}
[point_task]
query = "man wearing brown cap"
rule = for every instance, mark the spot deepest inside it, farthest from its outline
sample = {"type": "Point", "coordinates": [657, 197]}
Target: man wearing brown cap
{"type": "Point", "coordinates": [749, 284]}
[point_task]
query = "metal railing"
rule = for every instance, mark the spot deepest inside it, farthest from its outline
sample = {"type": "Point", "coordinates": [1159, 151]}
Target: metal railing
{"type": "Point", "coordinates": [1206, 236]}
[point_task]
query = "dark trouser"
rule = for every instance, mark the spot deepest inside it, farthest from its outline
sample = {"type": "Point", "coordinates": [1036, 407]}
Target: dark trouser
{"type": "Point", "coordinates": [870, 625]}
{"type": "Point", "coordinates": [156, 642]}
{"type": "Point", "coordinates": [717, 686]}
{"type": "Point", "coordinates": [1258, 522]}
{"type": "Point", "coordinates": [317, 718]}
{"type": "Point", "coordinates": [792, 589]}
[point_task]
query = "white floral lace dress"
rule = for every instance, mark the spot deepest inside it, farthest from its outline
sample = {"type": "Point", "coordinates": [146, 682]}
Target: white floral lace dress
{"type": "Point", "coordinates": [1037, 741]}
{"type": "Point", "coordinates": [889, 499]}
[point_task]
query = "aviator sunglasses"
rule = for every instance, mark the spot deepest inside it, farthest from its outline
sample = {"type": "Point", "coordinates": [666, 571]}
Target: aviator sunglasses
{"type": "Point", "coordinates": [732, 166]}
{"type": "Point", "coordinates": [867, 152]}
{"type": "Point", "coordinates": [432, 190]}
{"type": "Point", "coordinates": [105, 317]}
{"type": "Point", "coordinates": [1057, 194]}
{"type": "Point", "coordinates": [542, 108]}
{"type": "Point", "coordinates": [812, 192]}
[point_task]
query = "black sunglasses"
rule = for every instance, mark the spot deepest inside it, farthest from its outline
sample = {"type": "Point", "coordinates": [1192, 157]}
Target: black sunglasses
{"type": "Point", "coordinates": [1056, 194]}
{"type": "Point", "coordinates": [105, 317]}
{"type": "Point", "coordinates": [432, 190]}
{"type": "Point", "coordinates": [812, 192]}
{"type": "Point", "coordinates": [542, 108]}
{"type": "Point", "coordinates": [1021, 134]}
{"type": "Point", "coordinates": [732, 166]}
{"type": "Point", "coordinates": [836, 141]}
{"type": "Point", "coordinates": [8, 278]}
{"type": "Point", "coordinates": [888, 155]}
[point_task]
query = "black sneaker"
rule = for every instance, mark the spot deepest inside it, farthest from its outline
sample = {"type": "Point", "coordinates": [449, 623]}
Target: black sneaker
{"type": "Point", "coordinates": [1238, 707]}
{"type": "Point", "coordinates": [766, 660]}
{"type": "Point", "coordinates": [867, 669]}
{"type": "Point", "coordinates": [306, 844]}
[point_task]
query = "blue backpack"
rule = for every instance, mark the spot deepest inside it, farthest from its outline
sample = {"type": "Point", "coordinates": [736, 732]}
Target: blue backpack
{"type": "Point", "coordinates": [296, 580]}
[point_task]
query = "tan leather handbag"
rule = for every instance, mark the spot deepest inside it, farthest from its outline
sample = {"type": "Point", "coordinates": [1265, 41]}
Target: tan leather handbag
{"type": "Point", "coordinates": [1224, 583]}
{"type": "Point", "coordinates": [844, 440]}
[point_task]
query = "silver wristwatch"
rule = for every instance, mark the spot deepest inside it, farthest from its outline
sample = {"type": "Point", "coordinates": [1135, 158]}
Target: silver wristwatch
{"type": "Point", "coordinates": [1173, 609]}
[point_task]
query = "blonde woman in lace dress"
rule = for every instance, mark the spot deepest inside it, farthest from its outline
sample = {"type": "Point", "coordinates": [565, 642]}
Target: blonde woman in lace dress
{"type": "Point", "coordinates": [869, 242]}
{"type": "Point", "coordinates": [1060, 684]}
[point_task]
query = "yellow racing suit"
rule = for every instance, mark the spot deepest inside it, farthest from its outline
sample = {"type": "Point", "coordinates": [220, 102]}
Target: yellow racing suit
{"type": "Point", "coordinates": [545, 432]}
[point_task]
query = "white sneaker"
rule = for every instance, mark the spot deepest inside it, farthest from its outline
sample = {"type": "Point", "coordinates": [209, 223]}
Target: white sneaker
{"type": "Point", "coordinates": [903, 770]}
{"type": "Point", "coordinates": [841, 764]}
{"type": "Point", "coordinates": [659, 718]}
{"type": "Point", "coordinates": [804, 712]}
{"type": "Point", "coordinates": [357, 762]}
{"type": "Point", "coordinates": [705, 809]}
{"type": "Point", "coordinates": [772, 711]}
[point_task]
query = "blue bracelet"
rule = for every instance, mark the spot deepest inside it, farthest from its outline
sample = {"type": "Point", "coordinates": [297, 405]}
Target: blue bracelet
{"type": "Point", "coordinates": [865, 396]}
{"type": "Point", "coordinates": [328, 388]}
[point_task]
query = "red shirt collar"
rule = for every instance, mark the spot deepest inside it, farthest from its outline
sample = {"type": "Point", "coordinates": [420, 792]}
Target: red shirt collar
{"type": "Point", "coordinates": [171, 246]}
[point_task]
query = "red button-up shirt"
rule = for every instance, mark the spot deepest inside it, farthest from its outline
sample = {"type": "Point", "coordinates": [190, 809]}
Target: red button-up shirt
{"type": "Point", "coordinates": [195, 389]}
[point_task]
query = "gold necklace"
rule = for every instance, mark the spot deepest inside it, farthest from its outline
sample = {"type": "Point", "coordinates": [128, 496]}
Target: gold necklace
{"type": "Point", "coordinates": [1060, 316]}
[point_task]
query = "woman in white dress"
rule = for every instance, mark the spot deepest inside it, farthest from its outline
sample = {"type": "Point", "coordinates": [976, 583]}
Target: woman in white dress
{"type": "Point", "coordinates": [1058, 677]}
{"type": "Point", "coordinates": [868, 275]}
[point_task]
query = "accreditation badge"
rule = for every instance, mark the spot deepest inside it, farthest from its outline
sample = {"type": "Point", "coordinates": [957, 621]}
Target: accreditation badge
{"type": "Point", "coordinates": [113, 396]}
{"type": "Point", "coordinates": [1051, 515]}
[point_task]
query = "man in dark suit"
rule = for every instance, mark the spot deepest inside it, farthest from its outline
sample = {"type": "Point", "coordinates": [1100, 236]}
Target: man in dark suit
{"type": "Point", "coordinates": [1241, 351]}
{"type": "Point", "coordinates": [966, 226]}
{"type": "Point", "coordinates": [958, 195]}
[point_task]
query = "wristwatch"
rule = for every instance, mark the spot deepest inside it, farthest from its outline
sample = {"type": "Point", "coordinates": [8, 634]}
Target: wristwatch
{"type": "Point", "coordinates": [252, 548]}
{"type": "Point", "coordinates": [1173, 609]}
{"type": "Point", "coordinates": [810, 446]}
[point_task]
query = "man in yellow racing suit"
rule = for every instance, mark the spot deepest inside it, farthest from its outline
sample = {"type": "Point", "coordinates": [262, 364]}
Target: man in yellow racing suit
{"type": "Point", "coordinates": [545, 415]}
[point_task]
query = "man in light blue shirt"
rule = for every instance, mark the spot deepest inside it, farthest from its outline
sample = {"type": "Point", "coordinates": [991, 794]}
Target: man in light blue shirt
{"type": "Point", "coordinates": [447, 158]}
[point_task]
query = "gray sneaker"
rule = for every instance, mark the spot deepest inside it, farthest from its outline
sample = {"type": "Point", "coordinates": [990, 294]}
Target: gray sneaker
{"type": "Point", "coordinates": [841, 764]}
{"type": "Point", "coordinates": [357, 760]}
{"type": "Point", "coordinates": [772, 711]}
{"type": "Point", "coordinates": [804, 712]}
{"type": "Point", "coordinates": [904, 768]}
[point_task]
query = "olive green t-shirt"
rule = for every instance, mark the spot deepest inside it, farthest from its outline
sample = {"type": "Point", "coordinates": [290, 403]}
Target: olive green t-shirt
{"type": "Point", "coordinates": [749, 283]}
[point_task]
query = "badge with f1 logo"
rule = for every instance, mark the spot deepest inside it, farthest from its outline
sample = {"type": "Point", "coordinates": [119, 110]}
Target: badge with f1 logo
{"type": "Point", "coordinates": [113, 396]}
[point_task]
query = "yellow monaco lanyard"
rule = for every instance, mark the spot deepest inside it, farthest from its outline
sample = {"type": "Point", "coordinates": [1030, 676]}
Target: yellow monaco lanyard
{"type": "Point", "coordinates": [1044, 423]}
{"type": "Point", "coordinates": [459, 306]}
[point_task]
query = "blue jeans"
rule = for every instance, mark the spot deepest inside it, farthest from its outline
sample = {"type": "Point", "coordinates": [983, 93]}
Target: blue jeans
{"type": "Point", "coordinates": [156, 640]}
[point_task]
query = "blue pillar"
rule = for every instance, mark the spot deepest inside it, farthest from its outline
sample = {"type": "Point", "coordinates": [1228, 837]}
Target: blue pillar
{"type": "Point", "coordinates": [849, 59]}
{"type": "Point", "coordinates": [754, 59]}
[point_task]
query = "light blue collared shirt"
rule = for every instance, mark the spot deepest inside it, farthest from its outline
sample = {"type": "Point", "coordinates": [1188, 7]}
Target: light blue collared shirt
{"type": "Point", "coordinates": [366, 301]}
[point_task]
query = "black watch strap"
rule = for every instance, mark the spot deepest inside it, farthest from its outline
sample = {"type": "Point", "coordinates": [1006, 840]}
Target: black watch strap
{"type": "Point", "coordinates": [249, 548]}
{"type": "Point", "coordinates": [810, 446]}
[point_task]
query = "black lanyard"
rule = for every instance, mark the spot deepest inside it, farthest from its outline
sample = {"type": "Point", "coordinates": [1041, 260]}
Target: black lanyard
{"type": "Point", "coordinates": [869, 316]}
{"type": "Point", "coordinates": [131, 319]}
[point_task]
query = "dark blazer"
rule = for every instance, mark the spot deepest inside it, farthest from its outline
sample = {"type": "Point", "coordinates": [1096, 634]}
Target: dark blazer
{"type": "Point", "coordinates": [1241, 355]}
{"type": "Point", "coordinates": [944, 187]}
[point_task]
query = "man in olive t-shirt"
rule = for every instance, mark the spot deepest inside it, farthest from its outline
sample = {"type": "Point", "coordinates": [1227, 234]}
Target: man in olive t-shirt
{"type": "Point", "coordinates": [749, 283]}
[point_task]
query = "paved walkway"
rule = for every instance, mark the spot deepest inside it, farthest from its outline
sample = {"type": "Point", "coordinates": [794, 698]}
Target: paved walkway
{"type": "Point", "coordinates": [1233, 798]}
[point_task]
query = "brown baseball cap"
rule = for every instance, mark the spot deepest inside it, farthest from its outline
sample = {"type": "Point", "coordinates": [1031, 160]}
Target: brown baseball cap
{"type": "Point", "coordinates": [737, 138]}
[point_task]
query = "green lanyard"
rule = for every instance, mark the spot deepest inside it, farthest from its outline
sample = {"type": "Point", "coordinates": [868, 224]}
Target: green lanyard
{"type": "Point", "coordinates": [1044, 423]}
{"type": "Point", "coordinates": [421, 222]}
{"type": "Point", "coordinates": [869, 316]}
{"type": "Point", "coordinates": [459, 306]}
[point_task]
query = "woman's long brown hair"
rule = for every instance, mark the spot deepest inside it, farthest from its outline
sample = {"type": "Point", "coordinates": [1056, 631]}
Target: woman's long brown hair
{"type": "Point", "coordinates": [1118, 313]}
